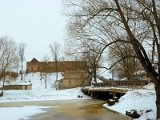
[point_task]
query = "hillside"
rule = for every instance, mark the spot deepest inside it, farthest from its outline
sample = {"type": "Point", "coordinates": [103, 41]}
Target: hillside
{"type": "Point", "coordinates": [39, 92]}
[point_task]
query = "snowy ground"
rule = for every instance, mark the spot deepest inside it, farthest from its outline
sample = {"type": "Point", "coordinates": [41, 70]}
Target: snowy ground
{"type": "Point", "coordinates": [41, 91]}
{"type": "Point", "coordinates": [140, 100]}
{"type": "Point", "coordinates": [29, 95]}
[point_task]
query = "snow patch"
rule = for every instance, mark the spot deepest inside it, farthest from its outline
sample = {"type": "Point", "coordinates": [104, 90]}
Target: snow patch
{"type": "Point", "coordinates": [17, 113]}
{"type": "Point", "coordinates": [141, 100]}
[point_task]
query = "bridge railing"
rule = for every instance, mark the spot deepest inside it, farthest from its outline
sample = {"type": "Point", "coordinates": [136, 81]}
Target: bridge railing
{"type": "Point", "coordinates": [123, 84]}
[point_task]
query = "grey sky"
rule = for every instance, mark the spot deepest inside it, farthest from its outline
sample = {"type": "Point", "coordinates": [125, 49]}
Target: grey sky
{"type": "Point", "coordinates": [34, 22]}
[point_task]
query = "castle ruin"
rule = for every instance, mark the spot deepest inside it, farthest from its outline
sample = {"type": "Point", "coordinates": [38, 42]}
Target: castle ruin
{"type": "Point", "coordinates": [75, 72]}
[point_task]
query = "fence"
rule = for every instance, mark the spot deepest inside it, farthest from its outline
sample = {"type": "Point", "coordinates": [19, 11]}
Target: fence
{"type": "Point", "coordinates": [126, 83]}
{"type": "Point", "coordinates": [18, 87]}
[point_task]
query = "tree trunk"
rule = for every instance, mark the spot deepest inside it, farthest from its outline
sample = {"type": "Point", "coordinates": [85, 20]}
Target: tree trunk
{"type": "Point", "coordinates": [2, 90]}
{"type": "Point", "coordinates": [90, 77]}
{"type": "Point", "coordinates": [21, 70]}
{"type": "Point", "coordinates": [4, 79]}
{"type": "Point", "coordinates": [95, 74]}
{"type": "Point", "coordinates": [45, 80]}
{"type": "Point", "coordinates": [56, 62]}
{"type": "Point", "coordinates": [157, 89]}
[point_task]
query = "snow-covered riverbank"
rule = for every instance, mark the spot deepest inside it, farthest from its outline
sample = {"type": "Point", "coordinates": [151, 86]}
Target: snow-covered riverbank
{"type": "Point", "coordinates": [29, 95]}
{"type": "Point", "coordinates": [17, 113]}
{"type": "Point", "coordinates": [142, 100]}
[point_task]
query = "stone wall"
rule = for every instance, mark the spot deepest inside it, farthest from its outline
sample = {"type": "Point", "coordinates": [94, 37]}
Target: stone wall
{"type": "Point", "coordinates": [36, 66]}
{"type": "Point", "coordinates": [7, 73]}
{"type": "Point", "coordinates": [78, 78]}
{"type": "Point", "coordinates": [18, 87]}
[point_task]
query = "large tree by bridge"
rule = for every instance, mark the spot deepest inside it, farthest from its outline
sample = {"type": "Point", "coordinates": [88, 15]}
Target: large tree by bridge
{"type": "Point", "coordinates": [105, 21]}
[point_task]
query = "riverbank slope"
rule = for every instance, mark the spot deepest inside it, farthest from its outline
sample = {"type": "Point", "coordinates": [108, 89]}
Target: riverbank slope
{"type": "Point", "coordinates": [142, 100]}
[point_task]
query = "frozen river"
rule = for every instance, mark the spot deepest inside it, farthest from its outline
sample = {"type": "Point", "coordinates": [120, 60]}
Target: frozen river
{"type": "Point", "coordinates": [70, 110]}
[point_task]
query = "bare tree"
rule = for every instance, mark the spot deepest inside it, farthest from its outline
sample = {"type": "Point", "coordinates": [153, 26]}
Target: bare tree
{"type": "Point", "coordinates": [107, 21]}
{"type": "Point", "coordinates": [127, 67]}
{"type": "Point", "coordinates": [55, 50]}
{"type": "Point", "coordinates": [8, 57]}
{"type": "Point", "coordinates": [90, 54]}
{"type": "Point", "coordinates": [46, 69]}
{"type": "Point", "coordinates": [22, 47]}
{"type": "Point", "coordinates": [87, 50]}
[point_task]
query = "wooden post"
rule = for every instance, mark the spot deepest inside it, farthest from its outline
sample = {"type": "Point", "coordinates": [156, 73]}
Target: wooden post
{"type": "Point", "coordinates": [91, 94]}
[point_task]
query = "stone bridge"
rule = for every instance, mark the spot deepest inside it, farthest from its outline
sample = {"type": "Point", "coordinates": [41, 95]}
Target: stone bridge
{"type": "Point", "coordinates": [110, 89]}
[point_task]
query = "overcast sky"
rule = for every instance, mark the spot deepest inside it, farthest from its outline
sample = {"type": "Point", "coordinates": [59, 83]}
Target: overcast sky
{"type": "Point", "coordinates": [34, 22]}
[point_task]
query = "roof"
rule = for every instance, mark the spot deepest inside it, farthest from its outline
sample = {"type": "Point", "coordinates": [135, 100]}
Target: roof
{"type": "Point", "coordinates": [34, 60]}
